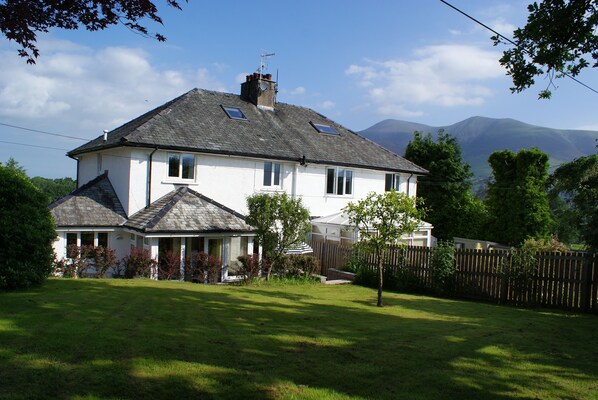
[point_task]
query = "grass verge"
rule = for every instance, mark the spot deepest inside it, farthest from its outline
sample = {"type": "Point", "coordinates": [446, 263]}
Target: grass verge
{"type": "Point", "coordinates": [112, 339]}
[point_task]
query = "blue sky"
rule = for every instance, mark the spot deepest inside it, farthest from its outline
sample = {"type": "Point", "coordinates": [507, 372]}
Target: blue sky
{"type": "Point", "coordinates": [356, 62]}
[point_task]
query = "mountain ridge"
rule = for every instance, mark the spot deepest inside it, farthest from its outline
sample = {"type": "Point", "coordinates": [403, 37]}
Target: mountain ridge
{"type": "Point", "coordinates": [481, 136]}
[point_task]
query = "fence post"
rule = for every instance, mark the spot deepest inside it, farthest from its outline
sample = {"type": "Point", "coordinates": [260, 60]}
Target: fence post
{"type": "Point", "coordinates": [586, 284]}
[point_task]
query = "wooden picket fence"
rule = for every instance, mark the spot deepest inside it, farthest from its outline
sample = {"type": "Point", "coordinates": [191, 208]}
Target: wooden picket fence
{"type": "Point", "coordinates": [566, 281]}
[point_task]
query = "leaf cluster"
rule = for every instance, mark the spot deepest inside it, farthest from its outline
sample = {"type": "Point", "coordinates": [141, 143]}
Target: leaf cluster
{"type": "Point", "coordinates": [382, 219]}
{"type": "Point", "coordinates": [577, 183]}
{"type": "Point", "coordinates": [26, 232]}
{"type": "Point", "coordinates": [281, 222]}
{"type": "Point", "coordinates": [446, 191]}
{"type": "Point", "coordinates": [558, 39]}
{"type": "Point", "coordinates": [22, 20]}
{"type": "Point", "coordinates": [517, 199]}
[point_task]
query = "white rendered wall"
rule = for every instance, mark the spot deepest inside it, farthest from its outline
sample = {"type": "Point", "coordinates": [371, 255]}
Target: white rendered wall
{"type": "Point", "coordinates": [229, 180]}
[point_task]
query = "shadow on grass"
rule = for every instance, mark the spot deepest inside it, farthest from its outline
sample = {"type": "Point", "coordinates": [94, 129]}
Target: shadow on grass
{"type": "Point", "coordinates": [127, 339]}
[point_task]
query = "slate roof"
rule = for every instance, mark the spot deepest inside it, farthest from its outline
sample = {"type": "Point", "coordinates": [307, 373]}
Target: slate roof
{"type": "Point", "coordinates": [184, 210]}
{"type": "Point", "coordinates": [196, 122]}
{"type": "Point", "coordinates": [93, 204]}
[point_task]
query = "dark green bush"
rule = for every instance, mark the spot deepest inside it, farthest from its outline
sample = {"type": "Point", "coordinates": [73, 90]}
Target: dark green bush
{"type": "Point", "coordinates": [443, 268]}
{"type": "Point", "coordinates": [26, 232]}
{"type": "Point", "coordinates": [302, 265]}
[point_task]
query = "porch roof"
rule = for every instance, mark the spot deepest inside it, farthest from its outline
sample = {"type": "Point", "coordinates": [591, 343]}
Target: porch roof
{"type": "Point", "coordinates": [93, 204]}
{"type": "Point", "coordinates": [342, 219]}
{"type": "Point", "coordinates": [184, 210]}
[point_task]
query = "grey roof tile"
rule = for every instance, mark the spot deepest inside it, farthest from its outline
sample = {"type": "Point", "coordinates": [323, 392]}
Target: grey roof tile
{"type": "Point", "coordinates": [184, 210]}
{"type": "Point", "coordinates": [93, 204]}
{"type": "Point", "coordinates": [196, 122]}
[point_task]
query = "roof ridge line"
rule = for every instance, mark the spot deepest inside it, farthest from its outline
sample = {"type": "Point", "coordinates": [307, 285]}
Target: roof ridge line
{"type": "Point", "coordinates": [78, 190]}
{"type": "Point", "coordinates": [161, 213]}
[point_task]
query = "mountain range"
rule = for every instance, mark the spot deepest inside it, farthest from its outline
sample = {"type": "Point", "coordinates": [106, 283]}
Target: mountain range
{"type": "Point", "coordinates": [480, 136]}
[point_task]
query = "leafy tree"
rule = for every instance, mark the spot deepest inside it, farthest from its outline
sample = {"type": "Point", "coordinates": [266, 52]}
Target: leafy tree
{"type": "Point", "coordinates": [517, 200]}
{"type": "Point", "coordinates": [566, 226]}
{"type": "Point", "coordinates": [22, 20]}
{"type": "Point", "coordinates": [447, 190]}
{"type": "Point", "coordinates": [26, 232]}
{"type": "Point", "coordinates": [54, 188]}
{"type": "Point", "coordinates": [577, 182]}
{"type": "Point", "coordinates": [14, 166]}
{"type": "Point", "coordinates": [381, 220]}
{"type": "Point", "coordinates": [558, 39]}
{"type": "Point", "coordinates": [281, 222]}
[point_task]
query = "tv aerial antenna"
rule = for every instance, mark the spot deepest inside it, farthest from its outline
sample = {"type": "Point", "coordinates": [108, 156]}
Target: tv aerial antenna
{"type": "Point", "coordinates": [263, 62]}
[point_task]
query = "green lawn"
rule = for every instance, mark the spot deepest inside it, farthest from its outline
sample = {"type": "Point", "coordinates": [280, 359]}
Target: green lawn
{"type": "Point", "coordinates": [109, 339]}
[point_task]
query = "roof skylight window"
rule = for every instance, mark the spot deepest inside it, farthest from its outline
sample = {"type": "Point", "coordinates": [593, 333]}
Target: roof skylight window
{"type": "Point", "coordinates": [234, 113]}
{"type": "Point", "coordinates": [330, 130]}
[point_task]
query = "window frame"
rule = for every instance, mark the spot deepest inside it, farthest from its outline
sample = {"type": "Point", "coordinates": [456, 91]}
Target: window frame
{"type": "Point", "coordinates": [395, 181]}
{"type": "Point", "coordinates": [229, 110]}
{"type": "Point", "coordinates": [325, 128]}
{"type": "Point", "coordinates": [78, 239]}
{"type": "Point", "coordinates": [181, 166]}
{"type": "Point", "coordinates": [334, 180]}
{"type": "Point", "coordinates": [271, 175]}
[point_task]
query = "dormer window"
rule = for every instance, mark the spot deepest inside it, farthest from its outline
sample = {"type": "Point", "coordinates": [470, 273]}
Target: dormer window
{"type": "Point", "coordinates": [234, 113]}
{"type": "Point", "coordinates": [327, 129]}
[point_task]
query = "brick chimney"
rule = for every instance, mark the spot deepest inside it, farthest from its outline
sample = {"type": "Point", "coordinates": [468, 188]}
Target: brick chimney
{"type": "Point", "coordinates": [260, 90]}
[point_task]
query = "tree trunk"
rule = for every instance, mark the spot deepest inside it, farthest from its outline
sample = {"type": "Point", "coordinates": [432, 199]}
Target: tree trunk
{"type": "Point", "coordinates": [380, 276]}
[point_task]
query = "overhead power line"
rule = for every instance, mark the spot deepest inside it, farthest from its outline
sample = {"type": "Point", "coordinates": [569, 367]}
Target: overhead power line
{"type": "Point", "coordinates": [33, 145]}
{"type": "Point", "coordinates": [500, 35]}
{"type": "Point", "coordinates": [43, 132]}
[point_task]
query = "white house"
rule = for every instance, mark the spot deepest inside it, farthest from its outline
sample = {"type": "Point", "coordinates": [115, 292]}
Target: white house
{"type": "Point", "coordinates": [177, 177]}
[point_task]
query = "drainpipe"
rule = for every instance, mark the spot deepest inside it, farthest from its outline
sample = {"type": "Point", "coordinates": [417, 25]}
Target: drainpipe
{"type": "Point", "coordinates": [149, 179]}
{"type": "Point", "coordinates": [295, 174]}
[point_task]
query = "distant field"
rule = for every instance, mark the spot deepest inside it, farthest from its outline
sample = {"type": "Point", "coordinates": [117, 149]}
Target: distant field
{"type": "Point", "coordinates": [112, 339]}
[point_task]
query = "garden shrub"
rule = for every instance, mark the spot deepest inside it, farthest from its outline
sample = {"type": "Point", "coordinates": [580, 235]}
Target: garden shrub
{"type": "Point", "coordinates": [26, 232]}
{"type": "Point", "coordinates": [104, 258]}
{"type": "Point", "coordinates": [204, 268]}
{"type": "Point", "coordinates": [250, 267]}
{"type": "Point", "coordinates": [366, 276]}
{"type": "Point", "coordinates": [521, 270]}
{"type": "Point", "coordinates": [301, 265]}
{"type": "Point", "coordinates": [139, 263]}
{"type": "Point", "coordinates": [443, 268]}
{"type": "Point", "coordinates": [169, 266]}
{"type": "Point", "coordinates": [403, 280]}
{"type": "Point", "coordinates": [78, 260]}
{"type": "Point", "coordinates": [551, 245]}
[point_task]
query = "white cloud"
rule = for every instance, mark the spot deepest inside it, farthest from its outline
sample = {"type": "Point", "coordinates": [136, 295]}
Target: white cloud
{"type": "Point", "coordinates": [79, 89]}
{"type": "Point", "coordinates": [327, 105]}
{"type": "Point", "coordinates": [298, 90]}
{"type": "Point", "coordinates": [241, 77]}
{"type": "Point", "coordinates": [442, 75]}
